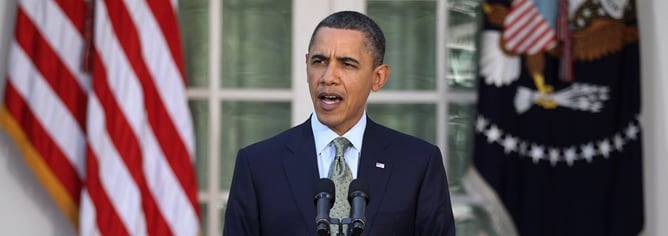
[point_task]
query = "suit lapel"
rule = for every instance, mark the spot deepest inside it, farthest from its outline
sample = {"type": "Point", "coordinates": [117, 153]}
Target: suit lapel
{"type": "Point", "coordinates": [301, 168]}
{"type": "Point", "coordinates": [375, 167]}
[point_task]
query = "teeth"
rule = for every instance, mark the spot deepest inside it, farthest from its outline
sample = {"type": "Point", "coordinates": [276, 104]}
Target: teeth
{"type": "Point", "coordinates": [330, 99]}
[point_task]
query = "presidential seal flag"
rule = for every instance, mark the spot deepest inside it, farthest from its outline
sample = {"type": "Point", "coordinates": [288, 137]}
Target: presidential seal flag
{"type": "Point", "coordinates": [95, 99]}
{"type": "Point", "coordinates": [557, 135]}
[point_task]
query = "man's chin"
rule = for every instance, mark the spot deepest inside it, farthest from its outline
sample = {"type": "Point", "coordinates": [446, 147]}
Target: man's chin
{"type": "Point", "coordinates": [329, 119]}
{"type": "Point", "coordinates": [326, 118]}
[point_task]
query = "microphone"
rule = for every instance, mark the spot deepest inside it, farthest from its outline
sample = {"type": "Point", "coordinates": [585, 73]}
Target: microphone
{"type": "Point", "coordinates": [323, 200]}
{"type": "Point", "coordinates": [358, 196]}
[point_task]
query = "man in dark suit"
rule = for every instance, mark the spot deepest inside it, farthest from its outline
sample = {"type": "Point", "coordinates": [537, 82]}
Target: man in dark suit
{"type": "Point", "coordinates": [274, 181]}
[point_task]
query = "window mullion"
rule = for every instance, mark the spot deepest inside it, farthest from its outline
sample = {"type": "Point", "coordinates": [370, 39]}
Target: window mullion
{"type": "Point", "coordinates": [215, 199]}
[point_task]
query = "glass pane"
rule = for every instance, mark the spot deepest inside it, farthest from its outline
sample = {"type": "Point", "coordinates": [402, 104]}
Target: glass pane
{"type": "Point", "coordinates": [256, 43]}
{"type": "Point", "coordinates": [244, 123]}
{"type": "Point", "coordinates": [194, 20]}
{"type": "Point", "coordinates": [410, 34]}
{"type": "Point", "coordinates": [463, 28]}
{"type": "Point", "coordinates": [415, 119]}
{"type": "Point", "coordinates": [221, 212]}
{"type": "Point", "coordinates": [200, 114]}
{"type": "Point", "coordinates": [460, 143]}
{"type": "Point", "coordinates": [472, 220]}
{"type": "Point", "coordinates": [204, 215]}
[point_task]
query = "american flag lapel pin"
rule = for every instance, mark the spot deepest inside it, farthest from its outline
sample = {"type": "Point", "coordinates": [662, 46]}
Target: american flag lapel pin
{"type": "Point", "coordinates": [380, 165]}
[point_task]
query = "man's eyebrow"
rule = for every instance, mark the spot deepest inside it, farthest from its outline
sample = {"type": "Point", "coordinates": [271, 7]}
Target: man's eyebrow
{"type": "Point", "coordinates": [344, 59]}
{"type": "Point", "coordinates": [319, 56]}
{"type": "Point", "coordinates": [348, 60]}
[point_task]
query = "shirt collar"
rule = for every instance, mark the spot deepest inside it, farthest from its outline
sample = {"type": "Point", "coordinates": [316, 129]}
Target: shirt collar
{"type": "Point", "coordinates": [323, 135]}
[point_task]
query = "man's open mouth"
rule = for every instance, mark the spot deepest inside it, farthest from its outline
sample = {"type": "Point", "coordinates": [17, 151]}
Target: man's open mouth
{"type": "Point", "coordinates": [330, 99]}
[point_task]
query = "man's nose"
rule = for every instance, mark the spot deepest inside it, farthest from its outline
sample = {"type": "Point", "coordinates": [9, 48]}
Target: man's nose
{"type": "Point", "coordinates": [331, 75]}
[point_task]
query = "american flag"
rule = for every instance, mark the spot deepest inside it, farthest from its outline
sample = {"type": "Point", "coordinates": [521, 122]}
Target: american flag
{"type": "Point", "coordinates": [525, 30]}
{"type": "Point", "coordinates": [112, 141]}
{"type": "Point", "coordinates": [564, 35]}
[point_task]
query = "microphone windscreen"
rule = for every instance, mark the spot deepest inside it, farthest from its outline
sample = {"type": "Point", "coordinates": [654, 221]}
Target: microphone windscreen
{"type": "Point", "coordinates": [358, 185]}
{"type": "Point", "coordinates": [327, 186]}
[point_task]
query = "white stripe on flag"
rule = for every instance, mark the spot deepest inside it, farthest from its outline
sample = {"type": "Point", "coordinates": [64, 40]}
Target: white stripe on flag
{"type": "Point", "coordinates": [162, 68]}
{"type": "Point", "coordinates": [526, 30]}
{"type": "Point", "coordinates": [87, 215]}
{"type": "Point", "coordinates": [171, 198]}
{"type": "Point", "coordinates": [120, 76]}
{"type": "Point", "coordinates": [129, 171]}
{"type": "Point", "coordinates": [62, 36]}
{"type": "Point", "coordinates": [47, 107]}
{"type": "Point", "coordinates": [115, 178]}
{"type": "Point", "coordinates": [514, 21]}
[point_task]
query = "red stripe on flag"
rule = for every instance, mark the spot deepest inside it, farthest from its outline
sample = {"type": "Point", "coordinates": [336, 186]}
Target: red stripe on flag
{"type": "Point", "coordinates": [518, 14]}
{"type": "Point", "coordinates": [75, 10]}
{"type": "Point", "coordinates": [108, 221]}
{"type": "Point", "coordinates": [534, 33]}
{"type": "Point", "coordinates": [50, 62]}
{"type": "Point", "coordinates": [566, 62]}
{"type": "Point", "coordinates": [52, 69]}
{"type": "Point", "coordinates": [42, 141]}
{"type": "Point", "coordinates": [523, 27]}
{"type": "Point", "coordinates": [128, 147]}
{"type": "Point", "coordinates": [546, 40]}
{"type": "Point", "coordinates": [166, 17]}
{"type": "Point", "coordinates": [161, 123]}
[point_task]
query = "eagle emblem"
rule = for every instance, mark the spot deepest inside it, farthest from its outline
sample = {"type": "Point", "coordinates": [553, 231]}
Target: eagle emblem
{"type": "Point", "coordinates": [591, 29]}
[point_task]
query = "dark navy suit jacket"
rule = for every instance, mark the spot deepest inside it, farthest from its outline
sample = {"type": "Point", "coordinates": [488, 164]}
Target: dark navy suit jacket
{"type": "Point", "coordinates": [274, 183]}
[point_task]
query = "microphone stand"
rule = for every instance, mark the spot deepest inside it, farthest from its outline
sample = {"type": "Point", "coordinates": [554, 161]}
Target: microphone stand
{"type": "Point", "coordinates": [340, 223]}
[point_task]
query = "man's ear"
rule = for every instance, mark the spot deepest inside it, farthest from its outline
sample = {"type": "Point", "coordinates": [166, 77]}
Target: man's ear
{"type": "Point", "coordinates": [306, 58]}
{"type": "Point", "coordinates": [380, 76]}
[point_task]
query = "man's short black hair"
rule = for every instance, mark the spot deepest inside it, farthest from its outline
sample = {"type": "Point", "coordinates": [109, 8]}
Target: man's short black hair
{"type": "Point", "coordinates": [352, 20]}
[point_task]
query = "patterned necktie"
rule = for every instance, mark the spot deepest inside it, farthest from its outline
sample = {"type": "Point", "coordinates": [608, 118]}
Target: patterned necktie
{"type": "Point", "coordinates": [340, 174]}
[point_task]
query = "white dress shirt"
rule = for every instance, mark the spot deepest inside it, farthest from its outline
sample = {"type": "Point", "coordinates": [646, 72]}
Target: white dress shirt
{"type": "Point", "coordinates": [324, 147]}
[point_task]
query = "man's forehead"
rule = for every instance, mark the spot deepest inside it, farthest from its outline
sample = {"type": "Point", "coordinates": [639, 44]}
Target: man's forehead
{"type": "Point", "coordinates": [342, 42]}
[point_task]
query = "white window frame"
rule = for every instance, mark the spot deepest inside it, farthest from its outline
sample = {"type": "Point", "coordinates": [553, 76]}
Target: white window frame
{"type": "Point", "coordinates": [306, 15]}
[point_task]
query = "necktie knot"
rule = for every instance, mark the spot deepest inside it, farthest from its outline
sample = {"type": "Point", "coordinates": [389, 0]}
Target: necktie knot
{"type": "Point", "coordinates": [340, 145]}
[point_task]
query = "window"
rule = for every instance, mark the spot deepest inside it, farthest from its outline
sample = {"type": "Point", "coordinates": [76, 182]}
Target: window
{"type": "Point", "coordinates": [236, 76]}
